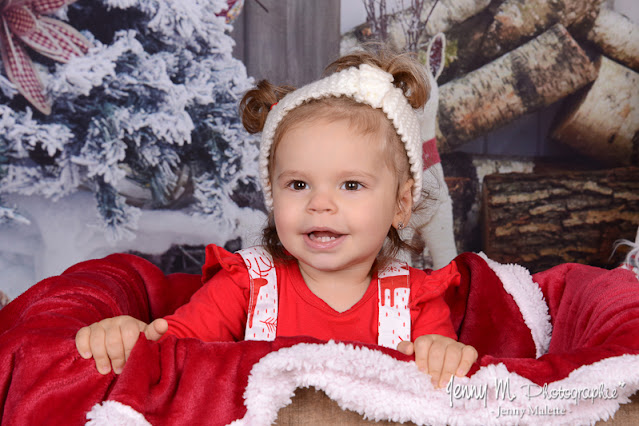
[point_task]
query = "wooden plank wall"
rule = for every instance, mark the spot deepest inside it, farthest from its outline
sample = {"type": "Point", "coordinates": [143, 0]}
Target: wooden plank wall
{"type": "Point", "coordinates": [289, 44]}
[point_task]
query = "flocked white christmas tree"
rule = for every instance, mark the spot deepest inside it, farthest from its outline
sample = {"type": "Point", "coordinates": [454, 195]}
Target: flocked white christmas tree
{"type": "Point", "coordinates": [147, 118]}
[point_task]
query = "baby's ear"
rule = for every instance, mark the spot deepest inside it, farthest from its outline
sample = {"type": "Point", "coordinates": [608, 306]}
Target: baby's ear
{"type": "Point", "coordinates": [404, 202]}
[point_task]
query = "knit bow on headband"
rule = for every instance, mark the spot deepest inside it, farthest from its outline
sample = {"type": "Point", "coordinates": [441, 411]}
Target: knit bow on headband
{"type": "Point", "coordinates": [365, 84]}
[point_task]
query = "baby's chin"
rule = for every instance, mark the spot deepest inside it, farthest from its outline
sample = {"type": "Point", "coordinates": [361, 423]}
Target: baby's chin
{"type": "Point", "coordinates": [334, 263]}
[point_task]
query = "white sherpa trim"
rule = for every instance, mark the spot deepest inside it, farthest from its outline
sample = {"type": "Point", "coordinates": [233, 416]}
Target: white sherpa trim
{"type": "Point", "coordinates": [366, 84]}
{"type": "Point", "coordinates": [380, 387]}
{"type": "Point", "coordinates": [632, 258]}
{"type": "Point", "coordinates": [518, 282]}
{"type": "Point", "coordinates": [113, 413]}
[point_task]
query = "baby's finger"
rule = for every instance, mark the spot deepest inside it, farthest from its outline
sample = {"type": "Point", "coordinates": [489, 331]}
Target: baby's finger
{"type": "Point", "coordinates": [98, 349]}
{"type": "Point", "coordinates": [115, 348]}
{"type": "Point", "coordinates": [469, 356]}
{"type": "Point", "coordinates": [436, 362]}
{"type": "Point", "coordinates": [452, 359]}
{"type": "Point", "coordinates": [82, 342]}
{"type": "Point", "coordinates": [130, 334]}
{"type": "Point", "coordinates": [406, 347]}
{"type": "Point", "coordinates": [156, 329]}
{"type": "Point", "coordinates": [423, 346]}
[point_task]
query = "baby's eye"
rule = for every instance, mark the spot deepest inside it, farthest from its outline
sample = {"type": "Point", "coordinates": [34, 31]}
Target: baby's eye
{"type": "Point", "coordinates": [297, 185]}
{"type": "Point", "coordinates": [352, 185]}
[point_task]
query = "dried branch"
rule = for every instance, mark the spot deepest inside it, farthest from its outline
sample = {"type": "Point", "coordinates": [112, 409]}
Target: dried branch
{"type": "Point", "coordinates": [412, 27]}
{"type": "Point", "coordinates": [377, 16]}
{"type": "Point", "coordinates": [408, 18]}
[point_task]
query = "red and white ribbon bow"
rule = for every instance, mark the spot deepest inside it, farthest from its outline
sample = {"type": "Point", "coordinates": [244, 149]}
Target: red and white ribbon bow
{"type": "Point", "coordinates": [22, 23]}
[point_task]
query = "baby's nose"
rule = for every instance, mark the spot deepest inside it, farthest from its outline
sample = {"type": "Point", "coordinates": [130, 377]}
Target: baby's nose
{"type": "Point", "coordinates": [322, 201]}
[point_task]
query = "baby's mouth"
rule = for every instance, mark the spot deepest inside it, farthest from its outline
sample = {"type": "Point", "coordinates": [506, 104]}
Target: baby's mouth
{"type": "Point", "coordinates": [323, 236]}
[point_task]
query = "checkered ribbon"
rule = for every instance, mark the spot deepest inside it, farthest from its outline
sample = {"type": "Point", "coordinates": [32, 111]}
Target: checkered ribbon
{"type": "Point", "coordinates": [22, 24]}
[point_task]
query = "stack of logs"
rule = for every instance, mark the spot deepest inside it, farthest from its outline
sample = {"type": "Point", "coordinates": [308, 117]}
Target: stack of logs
{"type": "Point", "coordinates": [545, 62]}
{"type": "Point", "coordinates": [550, 217]}
{"type": "Point", "coordinates": [508, 58]}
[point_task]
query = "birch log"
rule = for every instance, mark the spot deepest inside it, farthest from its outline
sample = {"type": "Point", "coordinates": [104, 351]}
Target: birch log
{"type": "Point", "coordinates": [617, 37]}
{"type": "Point", "coordinates": [518, 20]}
{"type": "Point", "coordinates": [463, 46]}
{"type": "Point", "coordinates": [542, 220]}
{"type": "Point", "coordinates": [448, 13]}
{"type": "Point", "coordinates": [604, 121]}
{"type": "Point", "coordinates": [532, 76]}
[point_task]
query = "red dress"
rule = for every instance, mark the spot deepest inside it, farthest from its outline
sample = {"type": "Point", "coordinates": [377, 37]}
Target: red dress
{"type": "Point", "coordinates": [218, 311]}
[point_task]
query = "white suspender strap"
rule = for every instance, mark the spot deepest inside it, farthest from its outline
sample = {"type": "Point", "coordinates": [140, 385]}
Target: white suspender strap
{"type": "Point", "coordinates": [261, 321]}
{"type": "Point", "coordinates": [393, 286]}
{"type": "Point", "coordinates": [393, 297]}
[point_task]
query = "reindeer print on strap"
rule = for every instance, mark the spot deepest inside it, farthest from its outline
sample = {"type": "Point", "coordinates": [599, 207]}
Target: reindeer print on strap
{"type": "Point", "coordinates": [261, 322]}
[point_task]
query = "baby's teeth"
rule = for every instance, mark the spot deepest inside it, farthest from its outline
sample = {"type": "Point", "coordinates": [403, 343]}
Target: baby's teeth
{"type": "Point", "coordinates": [324, 239]}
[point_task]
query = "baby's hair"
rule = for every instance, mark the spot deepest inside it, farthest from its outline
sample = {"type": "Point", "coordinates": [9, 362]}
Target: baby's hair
{"type": "Point", "coordinates": [408, 75]}
{"type": "Point", "coordinates": [257, 103]}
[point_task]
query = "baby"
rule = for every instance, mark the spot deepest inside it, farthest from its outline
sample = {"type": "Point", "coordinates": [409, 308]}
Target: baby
{"type": "Point", "coordinates": [341, 170]}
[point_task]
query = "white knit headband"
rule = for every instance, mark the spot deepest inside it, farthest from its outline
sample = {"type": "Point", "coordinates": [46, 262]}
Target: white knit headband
{"type": "Point", "coordinates": [366, 84]}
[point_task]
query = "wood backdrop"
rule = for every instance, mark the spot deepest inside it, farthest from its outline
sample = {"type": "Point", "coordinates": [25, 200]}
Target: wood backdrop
{"type": "Point", "coordinates": [289, 44]}
{"type": "Point", "coordinates": [294, 40]}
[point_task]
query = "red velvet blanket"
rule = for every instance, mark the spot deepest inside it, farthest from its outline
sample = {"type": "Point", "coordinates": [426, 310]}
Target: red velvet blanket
{"type": "Point", "coordinates": [560, 346]}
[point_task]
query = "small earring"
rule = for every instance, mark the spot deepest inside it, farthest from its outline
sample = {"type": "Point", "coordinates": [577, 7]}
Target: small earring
{"type": "Point", "coordinates": [400, 226]}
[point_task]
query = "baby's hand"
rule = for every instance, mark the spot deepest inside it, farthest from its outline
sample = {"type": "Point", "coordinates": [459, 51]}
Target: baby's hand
{"type": "Point", "coordinates": [440, 356]}
{"type": "Point", "coordinates": [113, 338]}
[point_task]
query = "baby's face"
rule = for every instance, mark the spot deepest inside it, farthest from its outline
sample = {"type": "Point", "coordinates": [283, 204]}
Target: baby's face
{"type": "Point", "coordinates": [334, 196]}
